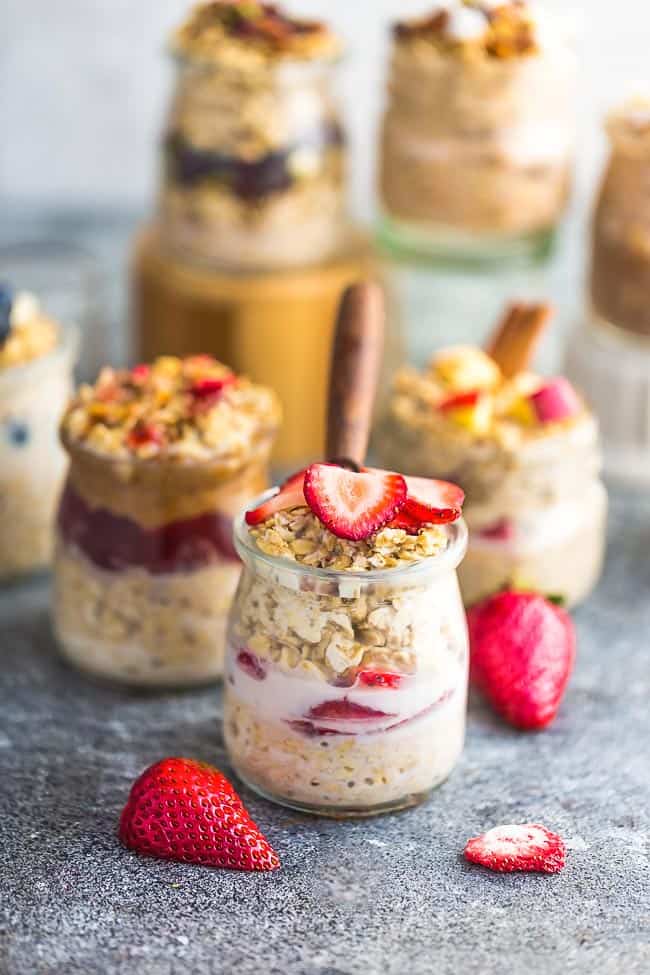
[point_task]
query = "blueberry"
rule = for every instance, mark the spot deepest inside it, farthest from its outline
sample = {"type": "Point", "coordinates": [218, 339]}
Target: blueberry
{"type": "Point", "coordinates": [6, 304]}
{"type": "Point", "coordinates": [17, 432]}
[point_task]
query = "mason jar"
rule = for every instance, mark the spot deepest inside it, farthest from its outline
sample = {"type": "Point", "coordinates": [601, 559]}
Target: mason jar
{"type": "Point", "coordinates": [254, 164]}
{"type": "Point", "coordinates": [477, 140]}
{"type": "Point", "coordinates": [620, 269]}
{"type": "Point", "coordinates": [345, 692]}
{"type": "Point", "coordinates": [145, 568]}
{"type": "Point", "coordinates": [33, 394]}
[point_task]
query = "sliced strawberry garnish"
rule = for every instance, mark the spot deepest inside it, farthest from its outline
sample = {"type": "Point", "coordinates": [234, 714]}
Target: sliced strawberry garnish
{"type": "Point", "coordinates": [294, 479]}
{"type": "Point", "coordinates": [379, 678]}
{"type": "Point", "coordinates": [251, 664]}
{"type": "Point", "coordinates": [529, 847]}
{"type": "Point", "coordinates": [433, 502]}
{"type": "Point", "coordinates": [406, 522]}
{"type": "Point", "coordinates": [352, 505]}
{"type": "Point", "coordinates": [291, 496]}
{"type": "Point", "coordinates": [460, 401]}
{"type": "Point", "coordinates": [345, 710]}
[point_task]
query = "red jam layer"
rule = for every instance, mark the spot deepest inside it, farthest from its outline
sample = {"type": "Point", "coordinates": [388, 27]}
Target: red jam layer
{"type": "Point", "coordinates": [116, 543]}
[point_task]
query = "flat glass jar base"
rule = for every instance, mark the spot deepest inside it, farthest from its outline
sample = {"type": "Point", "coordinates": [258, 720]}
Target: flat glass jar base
{"type": "Point", "coordinates": [343, 812]}
{"type": "Point", "coordinates": [444, 245]}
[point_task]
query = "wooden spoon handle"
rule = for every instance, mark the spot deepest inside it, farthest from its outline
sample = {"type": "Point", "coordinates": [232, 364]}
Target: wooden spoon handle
{"type": "Point", "coordinates": [354, 371]}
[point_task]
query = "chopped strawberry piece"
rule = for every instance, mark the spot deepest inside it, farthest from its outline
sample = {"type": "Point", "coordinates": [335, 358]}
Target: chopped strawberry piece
{"type": "Point", "coordinates": [251, 664]}
{"type": "Point", "coordinates": [351, 505]}
{"type": "Point", "coordinates": [141, 372]}
{"type": "Point", "coordinates": [291, 496]}
{"type": "Point", "coordinates": [379, 678]}
{"type": "Point", "coordinates": [501, 531]}
{"type": "Point", "coordinates": [179, 809]}
{"type": "Point", "coordinates": [556, 400]}
{"type": "Point", "coordinates": [522, 655]}
{"type": "Point", "coordinates": [460, 401]}
{"type": "Point", "coordinates": [435, 502]}
{"type": "Point", "coordinates": [143, 434]}
{"type": "Point", "coordinates": [346, 710]}
{"type": "Point", "coordinates": [529, 847]}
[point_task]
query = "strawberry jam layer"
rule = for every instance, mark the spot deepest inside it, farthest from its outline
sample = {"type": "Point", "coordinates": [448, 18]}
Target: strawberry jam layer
{"type": "Point", "coordinates": [116, 543]}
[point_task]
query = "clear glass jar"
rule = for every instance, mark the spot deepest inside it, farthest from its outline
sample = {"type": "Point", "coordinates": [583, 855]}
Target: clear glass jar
{"type": "Point", "coordinates": [345, 693]}
{"type": "Point", "coordinates": [254, 165]}
{"type": "Point", "coordinates": [476, 152]}
{"type": "Point", "coordinates": [620, 270]}
{"type": "Point", "coordinates": [145, 569]}
{"type": "Point", "coordinates": [32, 464]}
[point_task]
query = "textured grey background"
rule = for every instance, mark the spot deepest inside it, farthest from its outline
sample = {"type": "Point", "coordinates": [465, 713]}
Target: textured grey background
{"type": "Point", "coordinates": [83, 85]}
{"type": "Point", "coordinates": [391, 896]}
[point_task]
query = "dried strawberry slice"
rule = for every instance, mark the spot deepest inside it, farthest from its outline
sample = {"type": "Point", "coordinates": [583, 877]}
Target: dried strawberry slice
{"type": "Point", "coordinates": [353, 505]}
{"type": "Point", "coordinates": [528, 847]}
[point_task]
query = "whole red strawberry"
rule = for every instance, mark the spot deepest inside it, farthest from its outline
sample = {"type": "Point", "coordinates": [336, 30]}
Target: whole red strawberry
{"type": "Point", "coordinates": [184, 810]}
{"type": "Point", "coordinates": [522, 654]}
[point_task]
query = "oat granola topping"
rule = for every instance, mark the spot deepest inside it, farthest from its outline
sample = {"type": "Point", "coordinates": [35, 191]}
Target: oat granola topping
{"type": "Point", "coordinates": [238, 31]}
{"type": "Point", "coordinates": [502, 30]}
{"type": "Point", "coordinates": [175, 408]}
{"type": "Point", "coordinates": [31, 333]}
{"type": "Point", "coordinates": [298, 535]}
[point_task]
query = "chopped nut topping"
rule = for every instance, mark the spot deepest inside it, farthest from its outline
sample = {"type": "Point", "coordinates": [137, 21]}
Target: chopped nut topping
{"type": "Point", "coordinates": [31, 335]}
{"type": "Point", "coordinates": [496, 30]}
{"type": "Point", "coordinates": [300, 536]}
{"type": "Point", "coordinates": [186, 408]}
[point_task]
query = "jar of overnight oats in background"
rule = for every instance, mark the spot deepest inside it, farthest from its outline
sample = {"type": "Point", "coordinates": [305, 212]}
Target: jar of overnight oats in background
{"type": "Point", "coordinates": [161, 459]}
{"type": "Point", "coordinates": [346, 673]}
{"type": "Point", "coordinates": [526, 452]}
{"type": "Point", "coordinates": [254, 151]}
{"type": "Point", "coordinates": [37, 357]}
{"type": "Point", "coordinates": [478, 133]}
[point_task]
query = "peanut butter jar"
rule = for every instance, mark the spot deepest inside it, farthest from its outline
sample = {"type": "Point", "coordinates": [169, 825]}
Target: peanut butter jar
{"type": "Point", "coordinates": [162, 457]}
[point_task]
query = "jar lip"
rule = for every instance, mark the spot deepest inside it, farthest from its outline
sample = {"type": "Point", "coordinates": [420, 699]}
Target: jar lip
{"type": "Point", "coordinates": [66, 348]}
{"type": "Point", "coordinates": [446, 561]}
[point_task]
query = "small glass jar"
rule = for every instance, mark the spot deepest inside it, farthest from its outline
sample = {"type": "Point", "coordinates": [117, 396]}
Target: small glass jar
{"type": "Point", "coordinates": [620, 270]}
{"type": "Point", "coordinates": [345, 692]}
{"type": "Point", "coordinates": [254, 165]}
{"type": "Point", "coordinates": [476, 146]}
{"type": "Point", "coordinates": [32, 463]}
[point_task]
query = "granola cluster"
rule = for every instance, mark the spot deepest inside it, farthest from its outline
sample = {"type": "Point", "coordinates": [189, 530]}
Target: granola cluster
{"type": "Point", "coordinates": [31, 334]}
{"type": "Point", "coordinates": [242, 32]}
{"type": "Point", "coordinates": [476, 28]}
{"type": "Point", "coordinates": [300, 536]}
{"type": "Point", "coordinates": [193, 408]}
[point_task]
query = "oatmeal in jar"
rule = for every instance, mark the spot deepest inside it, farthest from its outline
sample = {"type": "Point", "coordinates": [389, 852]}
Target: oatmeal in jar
{"type": "Point", "coordinates": [36, 363]}
{"type": "Point", "coordinates": [620, 273]}
{"type": "Point", "coordinates": [255, 150]}
{"type": "Point", "coordinates": [478, 133]}
{"type": "Point", "coordinates": [346, 674]}
{"type": "Point", "coordinates": [162, 457]}
{"type": "Point", "coordinates": [525, 450]}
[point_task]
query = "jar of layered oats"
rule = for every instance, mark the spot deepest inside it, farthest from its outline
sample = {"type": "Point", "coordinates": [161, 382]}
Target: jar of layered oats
{"type": "Point", "coordinates": [346, 674]}
{"type": "Point", "coordinates": [161, 459]}
{"type": "Point", "coordinates": [526, 451]}
{"type": "Point", "coordinates": [37, 358]}
{"type": "Point", "coordinates": [620, 272]}
{"type": "Point", "coordinates": [478, 133]}
{"type": "Point", "coordinates": [254, 152]}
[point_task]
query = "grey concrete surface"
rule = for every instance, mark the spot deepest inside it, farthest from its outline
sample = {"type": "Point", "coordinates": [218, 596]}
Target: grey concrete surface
{"type": "Point", "coordinates": [390, 896]}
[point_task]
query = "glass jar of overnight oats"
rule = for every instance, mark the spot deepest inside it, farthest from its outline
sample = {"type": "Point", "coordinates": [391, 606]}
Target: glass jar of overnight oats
{"type": "Point", "coordinates": [36, 363]}
{"type": "Point", "coordinates": [478, 133]}
{"type": "Point", "coordinates": [620, 272]}
{"type": "Point", "coordinates": [525, 450]}
{"type": "Point", "coordinates": [346, 674]}
{"type": "Point", "coordinates": [161, 459]}
{"type": "Point", "coordinates": [254, 154]}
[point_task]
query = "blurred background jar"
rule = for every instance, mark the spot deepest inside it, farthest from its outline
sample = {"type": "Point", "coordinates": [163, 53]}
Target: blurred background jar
{"type": "Point", "coordinates": [162, 458]}
{"type": "Point", "coordinates": [36, 362]}
{"type": "Point", "coordinates": [478, 133]}
{"type": "Point", "coordinates": [254, 153]}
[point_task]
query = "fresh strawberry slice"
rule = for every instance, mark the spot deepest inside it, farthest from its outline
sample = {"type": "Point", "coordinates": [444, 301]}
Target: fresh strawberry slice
{"type": "Point", "coordinates": [460, 401]}
{"type": "Point", "coordinates": [529, 847]}
{"type": "Point", "coordinates": [406, 522]}
{"type": "Point", "coordinates": [294, 479]}
{"type": "Point", "coordinates": [291, 496]}
{"type": "Point", "coordinates": [379, 678]}
{"type": "Point", "coordinates": [251, 664]}
{"type": "Point", "coordinates": [143, 434]}
{"type": "Point", "coordinates": [184, 810]}
{"type": "Point", "coordinates": [434, 502]}
{"type": "Point", "coordinates": [351, 505]}
{"type": "Point", "coordinates": [343, 709]}
{"type": "Point", "coordinates": [522, 654]}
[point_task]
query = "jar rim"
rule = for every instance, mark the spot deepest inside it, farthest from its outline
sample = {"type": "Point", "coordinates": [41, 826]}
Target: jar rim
{"type": "Point", "coordinates": [293, 64]}
{"type": "Point", "coordinates": [66, 347]}
{"type": "Point", "coordinates": [447, 560]}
